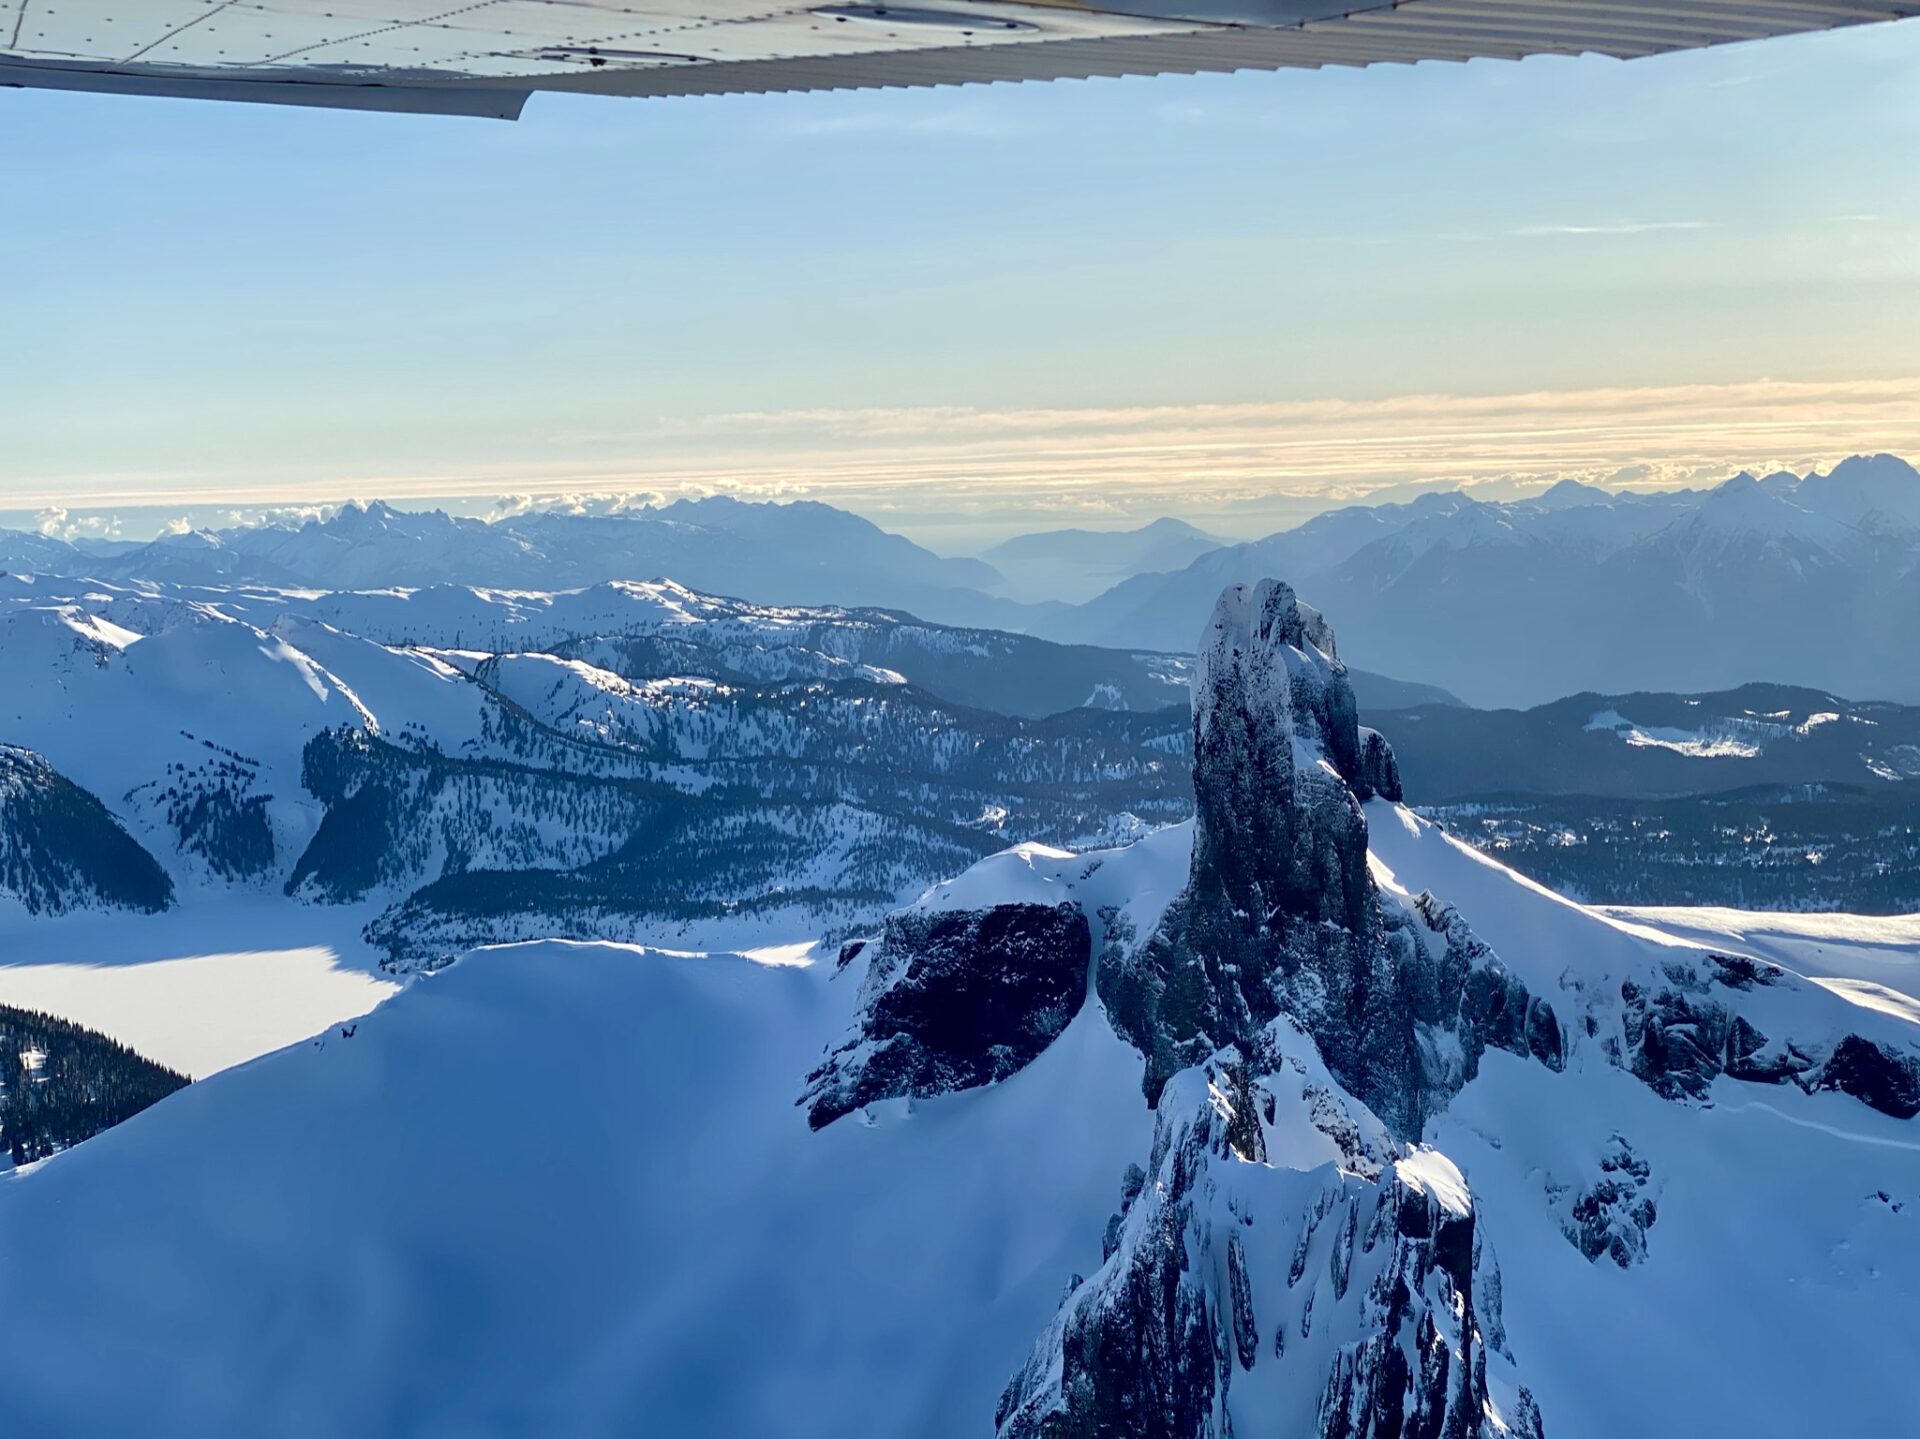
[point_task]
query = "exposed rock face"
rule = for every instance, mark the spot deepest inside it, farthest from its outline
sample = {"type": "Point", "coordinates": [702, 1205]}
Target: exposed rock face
{"type": "Point", "coordinates": [1679, 1039]}
{"type": "Point", "coordinates": [1612, 1215]}
{"type": "Point", "coordinates": [1278, 895]}
{"type": "Point", "coordinates": [1462, 999]}
{"type": "Point", "coordinates": [1873, 1074]}
{"type": "Point", "coordinates": [1379, 771]}
{"type": "Point", "coordinates": [953, 999]}
{"type": "Point", "coordinates": [1280, 915]}
{"type": "Point", "coordinates": [1350, 1303]}
{"type": "Point", "coordinates": [1681, 1034]}
{"type": "Point", "coordinates": [1356, 1280]}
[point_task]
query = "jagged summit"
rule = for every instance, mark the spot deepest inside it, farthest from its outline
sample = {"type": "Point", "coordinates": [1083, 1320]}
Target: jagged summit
{"type": "Point", "coordinates": [1277, 747]}
{"type": "Point", "coordinates": [1293, 1249]}
{"type": "Point", "coordinates": [1279, 914]}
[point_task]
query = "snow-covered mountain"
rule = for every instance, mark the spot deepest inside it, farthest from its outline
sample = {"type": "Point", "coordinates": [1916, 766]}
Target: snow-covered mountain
{"type": "Point", "coordinates": [1299, 1119]}
{"type": "Point", "coordinates": [1811, 581]}
{"type": "Point", "coordinates": [778, 553]}
{"type": "Point", "coordinates": [486, 765]}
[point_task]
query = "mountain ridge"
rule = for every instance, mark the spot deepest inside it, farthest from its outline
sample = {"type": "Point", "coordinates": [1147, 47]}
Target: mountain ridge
{"type": "Point", "coordinates": [1684, 590]}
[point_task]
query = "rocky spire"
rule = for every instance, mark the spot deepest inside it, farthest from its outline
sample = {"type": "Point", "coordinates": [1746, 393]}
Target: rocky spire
{"type": "Point", "coordinates": [1280, 977]}
{"type": "Point", "coordinates": [1276, 745]}
{"type": "Point", "coordinates": [1279, 915]}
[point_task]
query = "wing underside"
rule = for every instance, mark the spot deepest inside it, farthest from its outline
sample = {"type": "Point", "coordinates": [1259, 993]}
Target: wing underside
{"type": "Point", "coordinates": [485, 58]}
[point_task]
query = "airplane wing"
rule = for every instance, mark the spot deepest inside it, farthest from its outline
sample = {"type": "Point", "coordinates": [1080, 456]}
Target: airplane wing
{"type": "Point", "coordinates": [484, 57]}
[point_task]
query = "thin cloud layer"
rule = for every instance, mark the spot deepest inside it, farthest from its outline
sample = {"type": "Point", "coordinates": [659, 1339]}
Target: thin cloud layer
{"type": "Point", "coordinates": [1243, 461]}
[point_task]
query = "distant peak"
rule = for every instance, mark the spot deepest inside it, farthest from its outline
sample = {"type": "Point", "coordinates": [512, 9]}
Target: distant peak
{"type": "Point", "coordinates": [357, 515]}
{"type": "Point", "coordinates": [1882, 468]}
{"type": "Point", "coordinates": [1573, 492]}
{"type": "Point", "coordinates": [1869, 491]}
{"type": "Point", "coordinates": [1169, 525]}
{"type": "Point", "coordinates": [191, 540]}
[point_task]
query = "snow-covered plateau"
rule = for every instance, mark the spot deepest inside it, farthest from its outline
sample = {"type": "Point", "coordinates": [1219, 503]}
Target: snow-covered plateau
{"type": "Point", "coordinates": [1299, 1118]}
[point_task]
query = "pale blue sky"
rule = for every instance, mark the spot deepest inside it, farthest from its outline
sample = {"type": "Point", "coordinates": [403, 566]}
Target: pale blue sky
{"type": "Point", "coordinates": [246, 303]}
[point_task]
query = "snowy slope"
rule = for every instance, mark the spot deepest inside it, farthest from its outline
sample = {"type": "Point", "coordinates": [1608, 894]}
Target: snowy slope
{"type": "Point", "coordinates": [1617, 1174]}
{"type": "Point", "coordinates": [894, 1272]}
{"type": "Point", "coordinates": [346, 745]}
{"type": "Point", "coordinates": [1785, 1250]}
{"type": "Point", "coordinates": [1873, 960]}
{"type": "Point", "coordinates": [209, 708]}
{"type": "Point", "coordinates": [629, 1249]}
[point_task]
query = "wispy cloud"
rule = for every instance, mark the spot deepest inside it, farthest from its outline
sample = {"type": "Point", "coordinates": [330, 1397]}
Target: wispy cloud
{"type": "Point", "coordinates": [591, 502]}
{"type": "Point", "coordinates": [1248, 460]}
{"type": "Point", "coordinates": [1613, 227]}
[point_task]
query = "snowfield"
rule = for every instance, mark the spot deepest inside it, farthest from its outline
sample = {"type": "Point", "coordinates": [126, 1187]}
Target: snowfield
{"type": "Point", "coordinates": [564, 1189]}
{"type": "Point", "coordinates": [1839, 950]}
{"type": "Point", "coordinates": [200, 989]}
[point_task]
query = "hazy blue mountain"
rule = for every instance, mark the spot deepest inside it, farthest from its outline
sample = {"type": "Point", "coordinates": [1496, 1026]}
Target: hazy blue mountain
{"type": "Point", "coordinates": [801, 553]}
{"type": "Point", "coordinates": [1076, 565]}
{"type": "Point", "coordinates": [1382, 692]}
{"type": "Point", "coordinates": [1811, 581]}
{"type": "Point", "coordinates": [24, 552]}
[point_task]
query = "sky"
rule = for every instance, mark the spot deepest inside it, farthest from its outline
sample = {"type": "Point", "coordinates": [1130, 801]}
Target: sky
{"type": "Point", "coordinates": [966, 312]}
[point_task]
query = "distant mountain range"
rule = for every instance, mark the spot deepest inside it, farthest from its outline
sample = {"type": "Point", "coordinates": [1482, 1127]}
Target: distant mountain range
{"type": "Point", "coordinates": [1810, 580]}
{"type": "Point", "coordinates": [801, 553]}
{"type": "Point", "coordinates": [1803, 580]}
{"type": "Point", "coordinates": [1654, 746]}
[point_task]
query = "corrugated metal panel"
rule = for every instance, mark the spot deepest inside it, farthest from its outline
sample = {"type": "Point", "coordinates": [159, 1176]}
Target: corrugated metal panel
{"type": "Point", "coordinates": [483, 58]}
{"type": "Point", "coordinates": [1398, 34]}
